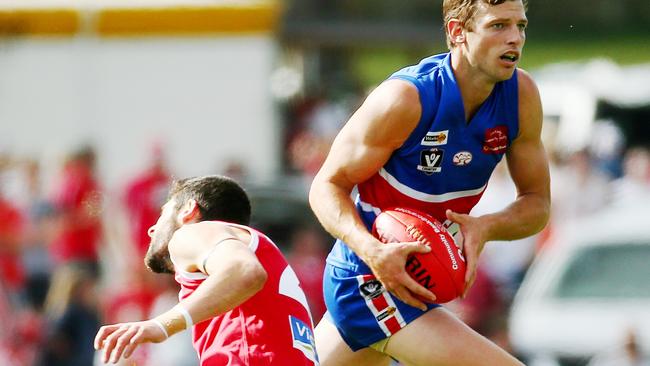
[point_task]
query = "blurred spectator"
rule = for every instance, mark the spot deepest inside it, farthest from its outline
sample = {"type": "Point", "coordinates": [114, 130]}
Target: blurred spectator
{"type": "Point", "coordinates": [132, 302]}
{"type": "Point", "coordinates": [11, 236]}
{"type": "Point", "coordinates": [27, 333]}
{"type": "Point", "coordinates": [236, 170]}
{"type": "Point", "coordinates": [629, 354]}
{"type": "Point", "coordinates": [78, 204]}
{"type": "Point", "coordinates": [73, 317]}
{"type": "Point", "coordinates": [143, 198]}
{"type": "Point", "coordinates": [307, 153]}
{"type": "Point", "coordinates": [19, 307]}
{"type": "Point", "coordinates": [39, 231]}
{"type": "Point", "coordinates": [307, 255]}
{"type": "Point", "coordinates": [13, 180]}
{"type": "Point", "coordinates": [634, 185]}
{"type": "Point", "coordinates": [327, 118]}
{"type": "Point", "coordinates": [320, 120]}
{"type": "Point", "coordinates": [606, 145]}
{"type": "Point", "coordinates": [6, 330]}
{"type": "Point", "coordinates": [577, 188]}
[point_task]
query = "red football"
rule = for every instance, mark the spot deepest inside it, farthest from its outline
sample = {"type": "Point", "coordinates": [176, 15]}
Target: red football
{"type": "Point", "coordinates": [442, 270]}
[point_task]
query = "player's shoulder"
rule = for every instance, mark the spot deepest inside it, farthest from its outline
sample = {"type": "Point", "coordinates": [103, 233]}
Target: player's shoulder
{"type": "Point", "coordinates": [191, 241]}
{"type": "Point", "coordinates": [394, 109]}
{"type": "Point", "coordinates": [198, 234]}
{"type": "Point", "coordinates": [530, 106]}
{"type": "Point", "coordinates": [401, 93]}
{"type": "Point", "coordinates": [526, 83]}
{"type": "Point", "coordinates": [199, 228]}
{"type": "Point", "coordinates": [427, 66]}
{"type": "Point", "coordinates": [529, 98]}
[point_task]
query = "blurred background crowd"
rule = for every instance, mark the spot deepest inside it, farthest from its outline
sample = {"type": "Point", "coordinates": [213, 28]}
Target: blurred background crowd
{"type": "Point", "coordinates": [97, 119]}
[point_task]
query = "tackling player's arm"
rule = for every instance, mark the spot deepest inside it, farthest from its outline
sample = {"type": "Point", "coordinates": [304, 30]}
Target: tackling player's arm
{"type": "Point", "coordinates": [234, 275]}
{"type": "Point", "coordinates": [234, 272]}
{"type": "Point", "coordinates": [528, 167]}
{"type": "Point", "coordinates": [362, 147]}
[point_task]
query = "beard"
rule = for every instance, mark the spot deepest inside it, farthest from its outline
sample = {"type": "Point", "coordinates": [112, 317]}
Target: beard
{"type": "Point", "coordinates": [158, 260]}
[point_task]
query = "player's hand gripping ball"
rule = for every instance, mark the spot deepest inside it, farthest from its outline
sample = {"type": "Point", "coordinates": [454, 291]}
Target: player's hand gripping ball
{"type": "Point", "coordinates": [442, 270]}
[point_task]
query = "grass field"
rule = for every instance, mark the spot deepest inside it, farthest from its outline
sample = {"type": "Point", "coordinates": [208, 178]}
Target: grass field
{"type": "Point", "coordinates": [373, 65]}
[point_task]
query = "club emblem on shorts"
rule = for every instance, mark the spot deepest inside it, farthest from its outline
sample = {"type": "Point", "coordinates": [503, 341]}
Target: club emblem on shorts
{"type": "Point", "coordinates": [435, 138]}
{"type": "Point", "coordinates": [431, 161]}
{"type": "Point", "coordinates": [381, 304]}
{"type": "Point", "coordinates": [462, 158]}
{"type": "Point", "coordinates": [496, 140]}
{"type": "Point", "coordinates": [371, 289]}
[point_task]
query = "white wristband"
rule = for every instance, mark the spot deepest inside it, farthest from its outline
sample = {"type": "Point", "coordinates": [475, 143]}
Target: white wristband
{"type": "Point", "coordinates": [188, 318]}
{"type": "Point", "coordinates": [162, 327]}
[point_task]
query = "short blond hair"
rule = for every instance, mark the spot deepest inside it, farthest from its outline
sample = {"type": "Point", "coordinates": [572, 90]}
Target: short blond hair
{"type": "Point", "coordinates": [464, 11]}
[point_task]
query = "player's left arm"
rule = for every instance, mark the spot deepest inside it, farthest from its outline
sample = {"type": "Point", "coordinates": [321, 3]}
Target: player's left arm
{"type": "Point", "coordinates": [528, 167]}
{"type": "Point", "coordinates": [234, 275]}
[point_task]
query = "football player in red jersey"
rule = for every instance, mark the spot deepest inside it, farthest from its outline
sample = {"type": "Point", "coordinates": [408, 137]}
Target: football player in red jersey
{"type": "Point", "coordinates": [238, 294]}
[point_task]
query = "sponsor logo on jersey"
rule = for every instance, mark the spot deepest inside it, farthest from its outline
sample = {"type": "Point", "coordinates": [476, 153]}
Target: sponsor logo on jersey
{"type": "Point", "coordinates": [386, 313]}
{"type": "Point", "coordinates": [303, 338]}
{"type": "Point", "coordinates": [496, 140]}
{"type": "Point", "coordinates": [462, 158]}
{"type": "Point", "coordinates": [431, 161]}
{"type": "Point", "coordinates": [371, 289]}
{"type": "Point", "coordinates": [436, 138]}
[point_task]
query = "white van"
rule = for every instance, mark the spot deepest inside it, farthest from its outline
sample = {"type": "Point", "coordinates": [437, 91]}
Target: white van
{"type": "Point", "coordinates": [586, 290]}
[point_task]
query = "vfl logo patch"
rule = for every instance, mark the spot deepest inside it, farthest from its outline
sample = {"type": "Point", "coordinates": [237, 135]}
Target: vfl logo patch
{"type": "Point", "coordinates": [496, 140]}
{"type": "Point", "coordinates": [371, 289]}
{"type": "Point", "coordinates": [435, 138]}
{"type": "Point", "coordinates": [303, 338]}
{"type": "Point", "coordinates": [462, 158]}
{"type": "Point", "coordinates": [431, 161]}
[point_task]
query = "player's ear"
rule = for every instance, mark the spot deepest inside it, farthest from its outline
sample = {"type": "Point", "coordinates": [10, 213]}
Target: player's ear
{"type": "Point", "coordinates": [456, 31]}
{"type": "Point", "coordinates": [189, 212]}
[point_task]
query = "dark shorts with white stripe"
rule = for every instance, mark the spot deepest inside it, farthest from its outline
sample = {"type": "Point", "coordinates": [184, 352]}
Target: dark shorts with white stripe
{"type": "Point", "coordinates": [362, 310]}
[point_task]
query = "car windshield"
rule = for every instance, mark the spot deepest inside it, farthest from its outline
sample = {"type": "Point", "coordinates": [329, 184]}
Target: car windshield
{"type": "Point", "coordinates": [607, 271]}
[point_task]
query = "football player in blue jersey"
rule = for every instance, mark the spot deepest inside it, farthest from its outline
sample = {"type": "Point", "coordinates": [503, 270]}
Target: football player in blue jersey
{"type": "Point", "coordinates": [429, 138]}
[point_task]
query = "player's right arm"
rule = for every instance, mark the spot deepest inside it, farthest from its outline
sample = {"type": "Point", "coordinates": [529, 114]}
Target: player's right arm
{"type": "Point", "coordinates": [379, 127]}
{"type": "Point", "coordinates": [234, 275]}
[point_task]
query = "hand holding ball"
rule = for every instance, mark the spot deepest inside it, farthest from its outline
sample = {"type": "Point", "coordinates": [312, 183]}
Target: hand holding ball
{"type": "Point", "coordinates": [442, 270]}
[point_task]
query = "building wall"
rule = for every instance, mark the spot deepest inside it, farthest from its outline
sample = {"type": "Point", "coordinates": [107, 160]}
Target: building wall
{"type": "Point", "coordinates": [203, 92]}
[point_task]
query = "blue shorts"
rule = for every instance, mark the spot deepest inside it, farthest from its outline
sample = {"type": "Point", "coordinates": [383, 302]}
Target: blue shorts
{"type": "Point", "coordinates": [362, 310]}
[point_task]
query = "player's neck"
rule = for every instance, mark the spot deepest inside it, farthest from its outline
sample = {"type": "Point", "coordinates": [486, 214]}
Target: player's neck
{"type": "Point", "coordinates": [475, 87]}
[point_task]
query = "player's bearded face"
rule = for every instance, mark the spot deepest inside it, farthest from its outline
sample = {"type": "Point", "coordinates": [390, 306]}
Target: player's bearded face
{"type": "Point", "coordinates": [157, 258]}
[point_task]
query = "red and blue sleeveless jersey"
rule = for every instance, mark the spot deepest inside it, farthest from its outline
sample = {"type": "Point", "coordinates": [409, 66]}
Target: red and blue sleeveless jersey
{"type": "Point", "coordinates": [273, 327]}
{"type": "Point", "coordinates": [446, 161]}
